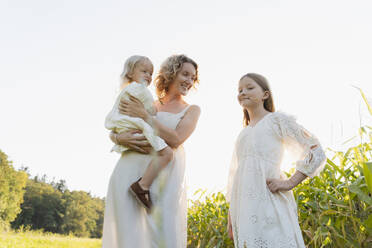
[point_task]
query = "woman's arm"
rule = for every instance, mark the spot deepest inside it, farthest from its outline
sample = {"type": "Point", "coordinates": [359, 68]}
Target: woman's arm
{"type": "Point", "coordinates": [137, 143]}
{"type": "Point", "coordinates": [176, 137]}
{"type": "Point", "coordinates": [173, 138]}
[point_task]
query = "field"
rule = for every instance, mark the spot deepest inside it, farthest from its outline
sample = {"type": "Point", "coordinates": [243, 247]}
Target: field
{"type": "Point", "coordinates": [30, 239]}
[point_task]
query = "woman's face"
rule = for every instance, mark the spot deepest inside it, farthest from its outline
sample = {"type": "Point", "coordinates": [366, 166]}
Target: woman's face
{"type": "Point", "coordinates": [250, 94]}
{"type": "Point", "coordinates": [184, 80]}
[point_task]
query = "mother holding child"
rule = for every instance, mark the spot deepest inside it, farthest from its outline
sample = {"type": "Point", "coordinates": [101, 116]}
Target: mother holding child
{"type": "Point", "coordinates": [155, 180]}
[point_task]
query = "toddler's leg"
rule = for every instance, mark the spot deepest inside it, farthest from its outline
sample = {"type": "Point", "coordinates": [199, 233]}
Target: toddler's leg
{"type": "Point", "coordinates": [156, 165]}
{"type": "Point", "coordinates": [140, 189]}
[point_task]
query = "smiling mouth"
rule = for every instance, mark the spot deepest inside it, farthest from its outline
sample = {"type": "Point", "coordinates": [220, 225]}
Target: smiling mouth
{"type": "Point", "coordinates": [185, 87]}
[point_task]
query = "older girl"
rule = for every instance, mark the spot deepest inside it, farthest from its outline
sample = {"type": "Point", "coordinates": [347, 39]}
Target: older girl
{"type": "Point", "coordinates": [262, 208]}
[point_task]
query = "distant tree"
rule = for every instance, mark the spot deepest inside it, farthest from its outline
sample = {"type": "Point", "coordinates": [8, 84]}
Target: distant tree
{"type": "Point", "coordinates": [12, 184]}
{"type": "Point", "coordinates": [50, 206]}
{"type": "Point", "coordinates": [43, 207]}
{"type": "Point", "coordinates": [100, 209]}
{"type": "Point", "coordinates": [60, 185]}
{"type": "Point", "coordinates": [81, 215]}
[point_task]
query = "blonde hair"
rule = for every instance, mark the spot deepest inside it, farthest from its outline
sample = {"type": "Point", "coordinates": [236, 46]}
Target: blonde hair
{"type": "Point", "coordinates": [129, 66]}
{"type": "Point", "coordinates": [168, 71]}
{"type": "Point", "coordinates": [264, 84]}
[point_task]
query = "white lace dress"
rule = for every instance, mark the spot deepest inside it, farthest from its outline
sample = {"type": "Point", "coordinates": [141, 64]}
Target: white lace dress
{"type": "Point", "coordinates": [126, 223]}
{"type": "Point", "coordinates": [260, 218]}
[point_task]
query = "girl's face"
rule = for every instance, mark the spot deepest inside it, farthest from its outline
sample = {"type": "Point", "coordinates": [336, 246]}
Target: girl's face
{"type": "Point", "coordinates": [184, 80]}
{"type": "Point", "coordinates": [250, 94]}
{"type": "Point", "coordinates": [142, 72]}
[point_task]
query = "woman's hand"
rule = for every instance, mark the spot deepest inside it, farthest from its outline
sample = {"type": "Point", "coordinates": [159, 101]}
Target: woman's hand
{"type": "Point", "coordinates": [133, 108]}
{"type": "Point", "coordinates": [137, 143]}
{"type": "Point", "coordinates": [276, 185]}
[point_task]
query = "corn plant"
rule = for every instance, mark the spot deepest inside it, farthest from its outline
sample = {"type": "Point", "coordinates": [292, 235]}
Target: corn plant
{"type": "Point", "coordinates": [207, 221]}
{"type": "Point", "coordinates": [335, 208]}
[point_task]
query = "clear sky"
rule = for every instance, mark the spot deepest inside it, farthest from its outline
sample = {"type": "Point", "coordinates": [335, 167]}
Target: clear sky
{"type": "Point", "coordinates": [60, 62]}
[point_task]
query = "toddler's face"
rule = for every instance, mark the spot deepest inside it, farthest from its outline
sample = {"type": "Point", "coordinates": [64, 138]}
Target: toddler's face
{"type": "Point", "coordinates": [142, 72]}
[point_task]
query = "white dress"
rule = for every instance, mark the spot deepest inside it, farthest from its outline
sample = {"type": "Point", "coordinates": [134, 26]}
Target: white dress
{"type": "Point", "coordinates": [126, 223]}
{"type": "Point", "coordinates": [260, 218]}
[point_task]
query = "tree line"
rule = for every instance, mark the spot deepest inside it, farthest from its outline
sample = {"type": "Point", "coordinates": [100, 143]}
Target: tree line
{"type": "Point", "coordinates": [38, 203]}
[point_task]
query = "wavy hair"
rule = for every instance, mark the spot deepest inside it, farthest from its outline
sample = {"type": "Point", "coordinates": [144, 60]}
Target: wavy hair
{"type": "Point", "coordinates": [168, 71]}
{"type": "Point", "coordinates": [264, 84]}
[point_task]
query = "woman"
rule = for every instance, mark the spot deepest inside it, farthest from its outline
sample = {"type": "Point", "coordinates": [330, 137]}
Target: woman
{"type": "Point", "coordinates": [126, 224]}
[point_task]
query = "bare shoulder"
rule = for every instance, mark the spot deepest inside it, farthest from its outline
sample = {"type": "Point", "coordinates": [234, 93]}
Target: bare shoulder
{"type": "Point", "coordinates": [192, 114]}
{"type": "Point", "coordinates": [194, 110]}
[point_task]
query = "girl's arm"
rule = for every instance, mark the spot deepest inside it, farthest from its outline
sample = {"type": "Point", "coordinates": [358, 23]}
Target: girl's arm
{"type": "Point", "coordinates": [173, 138]}
{"type": "Point", "coordinates": [303, 145]}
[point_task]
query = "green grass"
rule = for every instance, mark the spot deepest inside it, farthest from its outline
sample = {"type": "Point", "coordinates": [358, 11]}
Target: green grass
{"type": "Point", "coordinates": [30, 239]}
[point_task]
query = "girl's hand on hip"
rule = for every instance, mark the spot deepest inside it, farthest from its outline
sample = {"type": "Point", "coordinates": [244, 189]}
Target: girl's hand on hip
{"type": "Point", "coordinates": [276, 185]}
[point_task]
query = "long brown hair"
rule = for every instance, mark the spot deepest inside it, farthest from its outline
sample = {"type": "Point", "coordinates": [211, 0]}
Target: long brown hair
{"type": "Point", "coordinates": [264, 84]}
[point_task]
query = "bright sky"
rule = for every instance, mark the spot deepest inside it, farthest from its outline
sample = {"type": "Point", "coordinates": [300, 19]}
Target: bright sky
{"type": "Point", "coordinates": [60, 62]}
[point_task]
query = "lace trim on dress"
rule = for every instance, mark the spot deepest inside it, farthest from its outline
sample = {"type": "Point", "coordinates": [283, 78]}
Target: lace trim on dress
{"type": "Point", "coordinates": [259, 242]}
{"type": "Point", "coordinates": [309, 151]}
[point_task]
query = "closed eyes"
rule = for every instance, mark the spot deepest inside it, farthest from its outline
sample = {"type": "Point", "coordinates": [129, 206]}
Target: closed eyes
{"type": "Point", "coordinates": [250, 88]}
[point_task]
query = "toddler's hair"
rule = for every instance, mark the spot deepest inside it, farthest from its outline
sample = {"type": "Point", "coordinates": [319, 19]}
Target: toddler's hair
{"type": "Point", "coordinates": [129, 66]}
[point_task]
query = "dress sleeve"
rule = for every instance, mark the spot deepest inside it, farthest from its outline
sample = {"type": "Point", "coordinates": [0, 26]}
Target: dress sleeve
{"type": "Point", "coordinates": [301, 143]}
{"type": "Point", "coordinates": [232, 172]}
